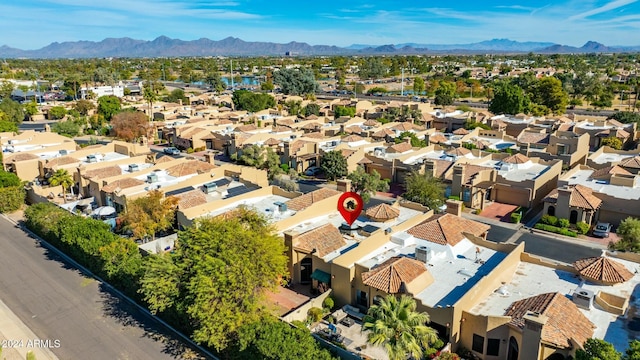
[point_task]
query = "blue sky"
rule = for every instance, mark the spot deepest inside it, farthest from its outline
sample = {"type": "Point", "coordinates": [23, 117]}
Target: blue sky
{"type": "Point", "coordinates": [31, 24]}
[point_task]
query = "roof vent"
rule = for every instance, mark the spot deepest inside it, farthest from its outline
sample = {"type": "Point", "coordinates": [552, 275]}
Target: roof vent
{"type": "Point", "coordinates": [152, 178]}
{"type": "Point", "coordinates": [583, 298]}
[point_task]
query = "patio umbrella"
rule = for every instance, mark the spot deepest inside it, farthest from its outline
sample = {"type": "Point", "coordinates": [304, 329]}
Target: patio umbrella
{"type": "Point", "coordinates": [104, 211]}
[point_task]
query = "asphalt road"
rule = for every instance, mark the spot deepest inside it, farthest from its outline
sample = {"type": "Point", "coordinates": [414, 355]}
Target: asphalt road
{"type": "Point", "coordinates": [58, 302]}
{"type": "Point", "coordinates": [555, 249]}
{"type": "Point", "coordinates": [500, 234]}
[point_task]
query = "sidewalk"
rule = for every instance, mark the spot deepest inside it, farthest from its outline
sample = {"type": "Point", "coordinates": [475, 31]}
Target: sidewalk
{"type": "Point", "coordinates": [19, 339]}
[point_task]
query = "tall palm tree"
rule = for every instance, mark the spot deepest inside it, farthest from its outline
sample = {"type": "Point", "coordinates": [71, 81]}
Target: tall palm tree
{"type": "Point", "coordinates": [395, 324]}
{"type": "Point", "coordinates": [150, 96]}
{"type": "Point", "coordinates": [62, 177]}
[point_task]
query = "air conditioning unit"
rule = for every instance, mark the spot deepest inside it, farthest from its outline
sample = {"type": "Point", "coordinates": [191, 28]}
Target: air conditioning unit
{"type": "Point", "coordinates": [63, 152]}
{"type": "Point", "coordinates": [208, 188]}
{"type": "Point", "coordinates": [133, 167]}
{"type": "Point", "coordinates": [423, 253]}
{"type": "Point", "coordinates": [282, 207]}
{"type": "Point", "coordinates": [152, 178]}
{"type": "Point", "coordinates": [583, 298]}
{"type": "Point", "coordinates": [92, 159]}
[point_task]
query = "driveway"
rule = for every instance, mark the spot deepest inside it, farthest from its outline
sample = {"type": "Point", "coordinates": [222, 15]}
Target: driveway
{"type": "Point", "coordinates": [498, 211]}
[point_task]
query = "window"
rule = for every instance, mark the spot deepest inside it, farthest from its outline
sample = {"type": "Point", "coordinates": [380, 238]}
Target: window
{"type": "Point", "coordinates": [362, 299]}
{"type": "Point", "coordinates": [478, 343]}
{"type": "Point", "coordinates": [493, 347]}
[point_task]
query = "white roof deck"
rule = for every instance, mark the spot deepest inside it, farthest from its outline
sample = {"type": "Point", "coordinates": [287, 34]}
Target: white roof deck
{"type": "Point", "coordinates": [163, 180]}
{"type": "Point", "coordinates": [262, 204]}
{"type": "Point", "coordinates": [607, 158]}
{"type": "Point", "coordinates": [104, 157]}
{"type": "Point", "coordinates": [517, 172]}
{"type": "Point", "coordinates": [531, 280]}
{"type": "Point", "coordinates": [583, 177]}
{"type": "Point", "coordinates": [454, 270]}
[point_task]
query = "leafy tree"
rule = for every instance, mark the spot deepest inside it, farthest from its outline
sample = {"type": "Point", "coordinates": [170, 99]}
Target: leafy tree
{"type": "Point", "coordinates": [66, 128]}
{"type": "Point", "coordinates": [7, 126]}
{"type": "Point", "coordinates": [296, 81]}
{"type": "Point", "coordinates": [366, 184]}
{"type": "Point", "coordinates": [6, 88]}
{"type": "Point", "coordinates": [372, 68]}
{"type": "Point", "coordinates": [612, 142]}
{"type": "Point", "coordinates": [548, 92]}
{"type": "Point", "coordinates": [252, 102]}
{"type": "Point", "coordinates": [424, 189]}
{"type": "Point", "coordinates": [121, 263]}
{"type": "Point", "coordinates": [418, 85]}
{"type": "Point", "coordinates": [131, 126]}
{"type": "Point", "coordinates": [108, 106]}
{"type": "Point", "coordinates": [145, 216]}
{"type": "Point", "coordinates": [399, 328]}
{"type": "Point", "coordinates": [270, 338]}
{"type": "Point", "coordinates": [344, 111]}
{"type": "Point", "coordinates": [176, 96]}
{"type": "Point", "coordinates": [334, 165]}
{"type": "Point", "coordinates": [63, 178]}
{"type": "Point", "coordinates": [293, 107]}
{"type": "Point", "coordinates": [11, 198]}
{"type": "Point", "coordinates": [597, 349]}
{"type": "Point", "coordinates": [267, 86]}
{"type": "Point", "coordinates": [311, 109]}
{"type": "Point", "coordinates": [633, 351]}
{"type": "Point", "coordinates": [12, 110]}
{"type": "Point", "coordinates": [262, 158]}
{"type": "Point", "coordinates": [84, 106]}
{"type": "Point", "coordinates": [285, 182]}
{"type": "Point", "coordinates": [629, 232]}
{"type": "Point", "coordinates": [415, 142]}
{"type": "Point", "coordinates": [57, 112]}
{"type": "Point", "coordinates": [215, 81]}
{"type": "Point", "coordinates": [9, 179]}
{"type": "Point", "coordinates": [215, 279]}
{"type": "Point", "coordinates": [626, 117]}
{"type": "Point", "coordinates": [445, 93]}
{"type": "Point", "coordinates": [508, 99]}
{"type": "Point", "coordinates": [30, 109]}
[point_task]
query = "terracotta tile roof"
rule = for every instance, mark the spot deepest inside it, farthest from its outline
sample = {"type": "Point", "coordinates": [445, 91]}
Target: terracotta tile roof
{"type": "Point", "coordinates": [354, 129]}
{"type": "Point", "coordinates": [393, 275]}
{"type": "Point", "coordinates": [296, 145]}
{"type": "Point", "coordinates": [459, 151]}
{"type": "Point", "coordinates": [189, 167]}
{"type": "Point", "coordinates": [529, 137]}
{"type": "Point", "coordinates": [602, 269]}
{"type": "Point", "coordinates": [63, 160]}
{"type": "Point", "coordinates": [191, 198]}
{"type": "Point", "coordinates": [515, 159]}
{"type": "Point", "coordinates": [311, 126]}
{"type": "Point", "coordinates": [371, 122]}
{"type": "Point", "coordinates": [621, 134]}
{"type": "Point", "coordinates": [352, 138]}
{"type": "Point", "coordinates": [104, 172]}
{"type": "Point", "coordinates": [281, 129]}
{"type": "Point", "coordinates": [447, 229]}
{"type": "Point", "coordinates": [325, 239]}
{"type": "Point", "coordinates": [271, 142]}
{"type": "Point", "coordinates": [405, 126]}
{"type": "Point", "coordinates": [383, 133]}
{"type": "Point", "coordinates": [480, 144]}
{"type": "Point", "coordinates": [565, 321]}
{"type": "Point", "coordinates": [21, 157]}
{"type": "Point", "coordinates": [121, 184]}
{"type": "Point", "coordinates": [314, 135]}
{"type": "Point", "coordinates": [607, 171]}
{"type": "Point", "coordinates": [245, 128]}
{"type": "Point", "coordinates": [382, 212]}
{"type": "Point", "coordinates": [224, 122]}
{"type": "Point", "coordinates": [365, 160]}
{"type": "Point", "coordinates": [347, 152]}
{"type": "Point", "coordinates": [437, 138]}
{"type": "Point", "coordinates": [311, 117]}
{"type": "Point", "coordinates": [633, 162]}
{"type": "Point", "coordinates": [164, 159]}
{"type": "Point", "coordinates": [304, 201]}
{"type": "Point", "coordinates": [441, 167]}
{"type": "Point", "coordinates": [581, 197]}
{"type": "Point", "coordinates": [461, 131]}
{"type": "Point", "coordinates": [286, 122]}
{"type": "Point", "coordinates": [400, 147]}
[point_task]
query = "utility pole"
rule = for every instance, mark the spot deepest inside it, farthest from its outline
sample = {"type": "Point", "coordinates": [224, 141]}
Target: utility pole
{"type": "Point", "coordinates": [402, 84]}
{"type": "Point", "coordinates": [231, 72]}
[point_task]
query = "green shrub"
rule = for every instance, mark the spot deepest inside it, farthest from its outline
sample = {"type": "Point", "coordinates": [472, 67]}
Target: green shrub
{"type": "Point", "coordinates": [285, 168]}
{"type": "Point", "coordinates": [299, 324]}
{"type": "Point", "coordinates": [11, 198]}
{"type": "Point", "coordinates": [328, 303]}
{"type": "Point", "coordinates": [557, 230]}
{"type": "Point", "coordinates": [315, 314]}
{"type": "Point", "coordinates": [582, 227]}
{"type": "Point", "coordinates": [190, 151]}
{"type": "Point", "coordinates": [453, 197]}
{"type": "Point", "coordinates": [549, 220]}
{"type": "Point", "coordinates": [516, 217]}
{"type": "Point", "coordinates": [563, 223]}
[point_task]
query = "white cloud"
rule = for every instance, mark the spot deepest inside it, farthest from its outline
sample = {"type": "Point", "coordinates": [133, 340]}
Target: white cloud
{"type": "Point", "coordinates": [607, 7]}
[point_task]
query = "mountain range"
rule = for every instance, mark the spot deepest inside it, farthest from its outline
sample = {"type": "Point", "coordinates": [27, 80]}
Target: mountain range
{"type": "Point", "coordinates": [230, 46]}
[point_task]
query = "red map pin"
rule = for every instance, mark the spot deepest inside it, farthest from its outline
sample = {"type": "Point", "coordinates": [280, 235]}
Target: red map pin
{"type": "Point", "coordinates": [350, 206]}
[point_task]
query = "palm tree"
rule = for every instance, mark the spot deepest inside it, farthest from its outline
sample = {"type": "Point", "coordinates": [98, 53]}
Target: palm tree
{"type": "Point", "coordinates": [150, 96]}
{"type": "Point", "coordinates": [62, 177]}
{"type": "Point", "coordinates": [395, 324]}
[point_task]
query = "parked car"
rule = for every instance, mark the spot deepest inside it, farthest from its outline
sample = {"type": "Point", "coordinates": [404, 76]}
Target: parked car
{"type": "Point", "coordinates": [602, 230]}
{"type": "Point", "coordinates": [171, 151]}
{"type": "Point", "coordinates": [313, 171]}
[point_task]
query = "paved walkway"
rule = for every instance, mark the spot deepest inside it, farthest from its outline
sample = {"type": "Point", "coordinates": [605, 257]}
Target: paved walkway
{"type": "Point", "coordinates": [18, 339]}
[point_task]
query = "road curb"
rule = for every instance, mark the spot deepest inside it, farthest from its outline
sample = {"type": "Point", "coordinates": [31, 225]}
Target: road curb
{"type": "Point", "coordinates": [120, 294]}
{"type": "Point", "coordinates": [567, 239]}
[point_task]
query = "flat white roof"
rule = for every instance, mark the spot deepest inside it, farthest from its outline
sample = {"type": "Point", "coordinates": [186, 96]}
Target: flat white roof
{"type": "Point", "coordinates": [263, 204]}
{"type": "Point", "coordinates": [606, 158]}
{"type": "Point", "coordinates": [517, 172]}
{"type": "Point", "coordinates": [590, 126]}
{"type": "Point", "coordinates": [583, 177]}
{"type": "Point", "coordinates": [531, 280]}
{"type": "Point", "coordinates": [104, 157]}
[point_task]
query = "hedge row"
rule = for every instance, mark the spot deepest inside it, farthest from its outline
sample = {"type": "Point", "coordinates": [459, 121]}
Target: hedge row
{"type": "Point", "coordinates": [555, 229]}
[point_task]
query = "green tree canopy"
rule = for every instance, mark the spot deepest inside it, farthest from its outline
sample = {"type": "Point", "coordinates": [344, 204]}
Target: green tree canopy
{"type": "Point", "coordinates": [334, 165]}
{"type": "Point", "coordinates": [13, 110]}
{"type": "Point", "coordinates": [84, 106]}
{"type": "Point", "coordinates": [296, 81]}
{"type": "Point", "coordinates": [508, 98]}
{"type": "Point", "coordinates": [418, 85]}
{"type": "Point", "coordinates": [147, 215]}
{"type": "Point", "coordinates": [597, 349]}
{"type": "Point", "coordinates": [626, 117]}
{"type": "Point", "coordinates": [216, 277]}
{"type": "Point", "coordinates": [445, 93]}
{"type": "Point", "coordinates": [415, 142]}
{"type": "Point", "coordinates": [176, 96]}
{"type": "Point", "coordinates": [339, 111]}
{"type": "Point", "coordinates": [612, 142]}
{"type": "Point", "coordinates": [9, 179]}
{"type": "Point", "coordinates": [629, 232]}
{"type": "Point", "coordinates": [548, 92]}
{"type": "Point", "coordinates": [252, 102]}
{"type": "Point", "coordinates": [372, 68]}
{"type": "Point", "coordinates": [108, 106]}
{"type": "Point", "coordinates": [66, 128]}
{"type": "Point", "coordinates": [366, 184]}
{"type": "Point", "coordinates": [213, 78]}
{"type": "Point", "coordinates": [261, 157]}
{"type": "Point", "coordinates": [424, 189]}
{"type": "Point", "coordinates": [63, 178]}
{"type": "Point", "coordinates": [311, 109]}
{"type": "Point", "coordinates": [633, 351]}
{"type": "Point", "coordinates": [57, 112]}
{"type": "Point", "coordinates": [399, 328]}
{"type": "Point", "coordinates": [7, 126]}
